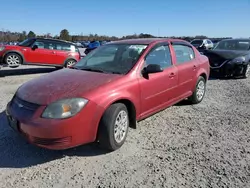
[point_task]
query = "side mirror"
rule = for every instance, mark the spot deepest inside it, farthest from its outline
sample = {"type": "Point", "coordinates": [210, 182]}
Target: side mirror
{"type": "Point", "coordinates": [34, 47]}
{"type": "Point", "coordinates": [152, 68]}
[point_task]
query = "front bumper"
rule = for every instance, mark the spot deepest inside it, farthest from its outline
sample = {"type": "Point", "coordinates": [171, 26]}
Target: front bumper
{"type": "Point", "coordinates": [227, 68]}
{"type": "Point", "coordinates": [56, 134]}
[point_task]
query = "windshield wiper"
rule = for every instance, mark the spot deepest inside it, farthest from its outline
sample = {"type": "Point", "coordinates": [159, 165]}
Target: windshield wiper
{"type": "Point", "coordinates": [90, 69]}
{"type": "Point", "coordinates": [95, 70]}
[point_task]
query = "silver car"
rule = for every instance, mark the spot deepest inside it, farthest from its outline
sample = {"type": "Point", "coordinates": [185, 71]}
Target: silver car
{"type": "Point", "coordinates": [202, 44]}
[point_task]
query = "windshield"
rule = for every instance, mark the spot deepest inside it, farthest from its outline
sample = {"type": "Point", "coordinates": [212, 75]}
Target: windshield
{"type": "Point", "coordinates": [26, 42]}
{"type": "Point", "coordinates": [241, 45]}
{"type": "Point", "coordinates": [199, 42]}
{"type": "Point", "coordinates": [112, 58]}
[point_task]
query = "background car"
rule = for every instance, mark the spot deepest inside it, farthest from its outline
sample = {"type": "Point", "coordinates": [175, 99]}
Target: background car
{"type": "Point", "coordinates": [40, 51]}
{"type": "Point", "coordinates": [91, 46]}
{"type": "Point", "coordinates": [230, 57]}
{"type": "Point", "coordinates": [202, 44]}
{"type": "Point", "coordinates": [215, 42]}
{"type": "Point", "coordinates": [105, 93]}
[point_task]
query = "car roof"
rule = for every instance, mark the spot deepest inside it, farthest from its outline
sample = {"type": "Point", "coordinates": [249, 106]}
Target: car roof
{"type": "Point", "coordinates": [56, 40]}
{"type": "Point", "coordinates": [237, 39]}
{"type": "Point", "coordinates": [146, 41]}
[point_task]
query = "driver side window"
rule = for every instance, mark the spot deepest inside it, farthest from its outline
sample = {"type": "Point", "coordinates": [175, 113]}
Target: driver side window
{"type": "Point", "coordinates": [39, 44]}
{"type": "Point", "coordinates": [160, 55]}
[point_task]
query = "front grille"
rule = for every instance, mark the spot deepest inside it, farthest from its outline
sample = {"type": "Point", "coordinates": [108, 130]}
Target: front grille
{"type": "Point", "coordinates": [23, 108]}
{"type": "Point", "coordinates": [51, 141]}
{"type": "Point", "coordinates": [24, 104]}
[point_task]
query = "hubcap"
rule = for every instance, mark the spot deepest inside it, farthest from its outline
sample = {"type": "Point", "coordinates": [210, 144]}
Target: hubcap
{"type": "Point", "coordinates": [247, 70]}
{"type": "Point", "coordinates": [200, 90]}
{"type": "Point", "coordinates": [121, 126]}
{"type": "Point", "coordinates": [13, 60]}
{"type": "Point", "coordinates": [70, 63]}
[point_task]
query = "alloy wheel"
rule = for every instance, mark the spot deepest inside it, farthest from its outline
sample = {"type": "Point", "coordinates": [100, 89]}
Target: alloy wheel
{"type": "Point", "coordinates": [13, 60]}
{"type": "Point", "coordinates": [121, 126]}
{"type": "Point", "coordinates": [247, 71]}
{"type": "Point", "coordinates": [70, 63]}
{"type": "Point", "coordinates": [200, 90]}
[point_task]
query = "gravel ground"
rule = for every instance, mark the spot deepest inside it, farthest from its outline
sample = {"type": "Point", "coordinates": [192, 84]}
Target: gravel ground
{"type": "Point", "coordinates": [205, 145]}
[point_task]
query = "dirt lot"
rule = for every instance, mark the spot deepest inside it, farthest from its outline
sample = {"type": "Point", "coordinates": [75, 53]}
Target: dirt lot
{"type": "Point", "coordinates": [205, 145]}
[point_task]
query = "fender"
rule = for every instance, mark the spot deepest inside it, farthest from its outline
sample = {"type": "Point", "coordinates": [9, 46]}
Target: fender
{"type": "Point", "coordinates": [201, 71]}
{"type": "Point", "coordinates": [117, 97]}
{"type": "Point", "coordinates": [14, 51]}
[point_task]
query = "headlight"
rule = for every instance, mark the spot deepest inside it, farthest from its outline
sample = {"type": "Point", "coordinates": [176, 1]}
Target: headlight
{"type": "Point", "coordinates": [64, 108]}
{"type": "Point", "coordinates": [2, 48]}
{"type": "Point", "coordinates": [239, 59]}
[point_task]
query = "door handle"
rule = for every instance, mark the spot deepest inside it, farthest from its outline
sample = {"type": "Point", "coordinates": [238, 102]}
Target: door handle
{"type": "Point", "coordinates": [194, 67]}
{"type": "Point", "coordinates": [171, 75]}
{"type": "Point", "coordinates": [53, 52]}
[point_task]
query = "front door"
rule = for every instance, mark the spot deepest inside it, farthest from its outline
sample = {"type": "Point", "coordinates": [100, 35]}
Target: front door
{"type": "Point", "coordinates": [157, 89]}
{"type": "Point", "coordinates": [44, 54]}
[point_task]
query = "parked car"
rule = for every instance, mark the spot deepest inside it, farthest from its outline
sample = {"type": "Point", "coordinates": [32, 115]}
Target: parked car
{"type": "Point", "coordinates": [202, 44]}
{"type": "Point", "coordinates": [39, 51]}
{"type": "Point", "coordinates": [230, 58]}
{"type": "Point", "coordinates": [215, 42]}
{"type": "Point", "coordinates": [79, 45]}
{"type": "Point", "coordinates": [85, 43]}
{"type": "Point", "coordinates": [108, 91]}
{"type": "Point", "coordinates": [91, 46]}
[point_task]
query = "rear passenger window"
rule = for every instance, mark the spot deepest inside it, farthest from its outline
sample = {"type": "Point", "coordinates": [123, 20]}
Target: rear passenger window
{"type": "Point", "coordinates": [183, 53]}
{"type": "Point", "coordinates": [66, 47]}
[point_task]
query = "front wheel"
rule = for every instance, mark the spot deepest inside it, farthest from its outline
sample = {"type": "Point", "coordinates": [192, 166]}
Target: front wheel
{"type": "Point", "coordinates": [113, 128]}
{"type": "Point", "coordinates": [13, 60]}
{"type": "Point", "coordinates": [199, 92]}
{"type": "Point", "coordinates": [246, 72]}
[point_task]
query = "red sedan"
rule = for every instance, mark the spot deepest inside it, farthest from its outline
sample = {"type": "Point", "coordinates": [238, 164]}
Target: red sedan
{"type": "Point", "coordinates": [108, 91]}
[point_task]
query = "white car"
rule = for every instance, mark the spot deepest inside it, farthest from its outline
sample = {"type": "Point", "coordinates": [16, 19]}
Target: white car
{"type": "Point", "coordinates": [202, 44]}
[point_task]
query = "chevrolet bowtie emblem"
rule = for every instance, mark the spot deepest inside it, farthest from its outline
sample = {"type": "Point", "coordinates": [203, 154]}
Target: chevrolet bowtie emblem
{"type": "Point", "coordinates": [20, 105]}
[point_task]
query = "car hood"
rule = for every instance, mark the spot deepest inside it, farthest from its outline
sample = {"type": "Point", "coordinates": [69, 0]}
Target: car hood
{"type": "Point", "coordinates": [225, 54]}
{"type": "Point", "coordinates": [65, 83]}
{"type": "Point", "coordinates": [11, 47]}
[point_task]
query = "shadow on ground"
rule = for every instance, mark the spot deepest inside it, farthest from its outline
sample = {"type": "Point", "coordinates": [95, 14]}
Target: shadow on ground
{"type": "Point", "coordinates": [24, 71]}
{"type": "Point", "coordinates": [18, 153]}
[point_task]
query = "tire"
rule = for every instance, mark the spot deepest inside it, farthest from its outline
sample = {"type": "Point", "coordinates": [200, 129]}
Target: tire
{"type": "Point", "coordinates": [13, 60]}
{"type": "Point", "coordinates": [199, 92]}
{"type": "Point", "coordinates": [246, 72]}
{"type": "Point", "coordinates": [69, 62]}
{"type": "Point", "coordinates": [108, 130]}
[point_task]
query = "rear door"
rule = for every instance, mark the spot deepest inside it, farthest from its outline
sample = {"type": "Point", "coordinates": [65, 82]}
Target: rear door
{"type": "Point", "coordinates": [65, 51]}
{"type": "Point", "coordinates": [187, 66]}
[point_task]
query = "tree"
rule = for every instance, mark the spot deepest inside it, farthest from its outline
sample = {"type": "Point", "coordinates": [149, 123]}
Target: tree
{"type": "Point", "coordinates": [22, 36]}
{"type": "Point", "coordinates": [31, 34]}
{"type": "Point", "coordinates": [64, 34]}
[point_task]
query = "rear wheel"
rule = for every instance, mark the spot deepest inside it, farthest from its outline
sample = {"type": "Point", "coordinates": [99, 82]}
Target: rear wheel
{"type": "Point", "coordinates": [113, 128]}
{"type": "Point", "coordinates": [246, 73]}
{"type": "Point", "coordinates": [70, 62]}
{"type": "Point", "coordinates": [13, 60]}
{"type": "Point", "coordinates": [199, 92]}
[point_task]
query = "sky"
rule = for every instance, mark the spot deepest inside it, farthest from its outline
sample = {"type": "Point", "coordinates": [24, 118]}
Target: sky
{"type": "Point", "coordinates": [213, 18]}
